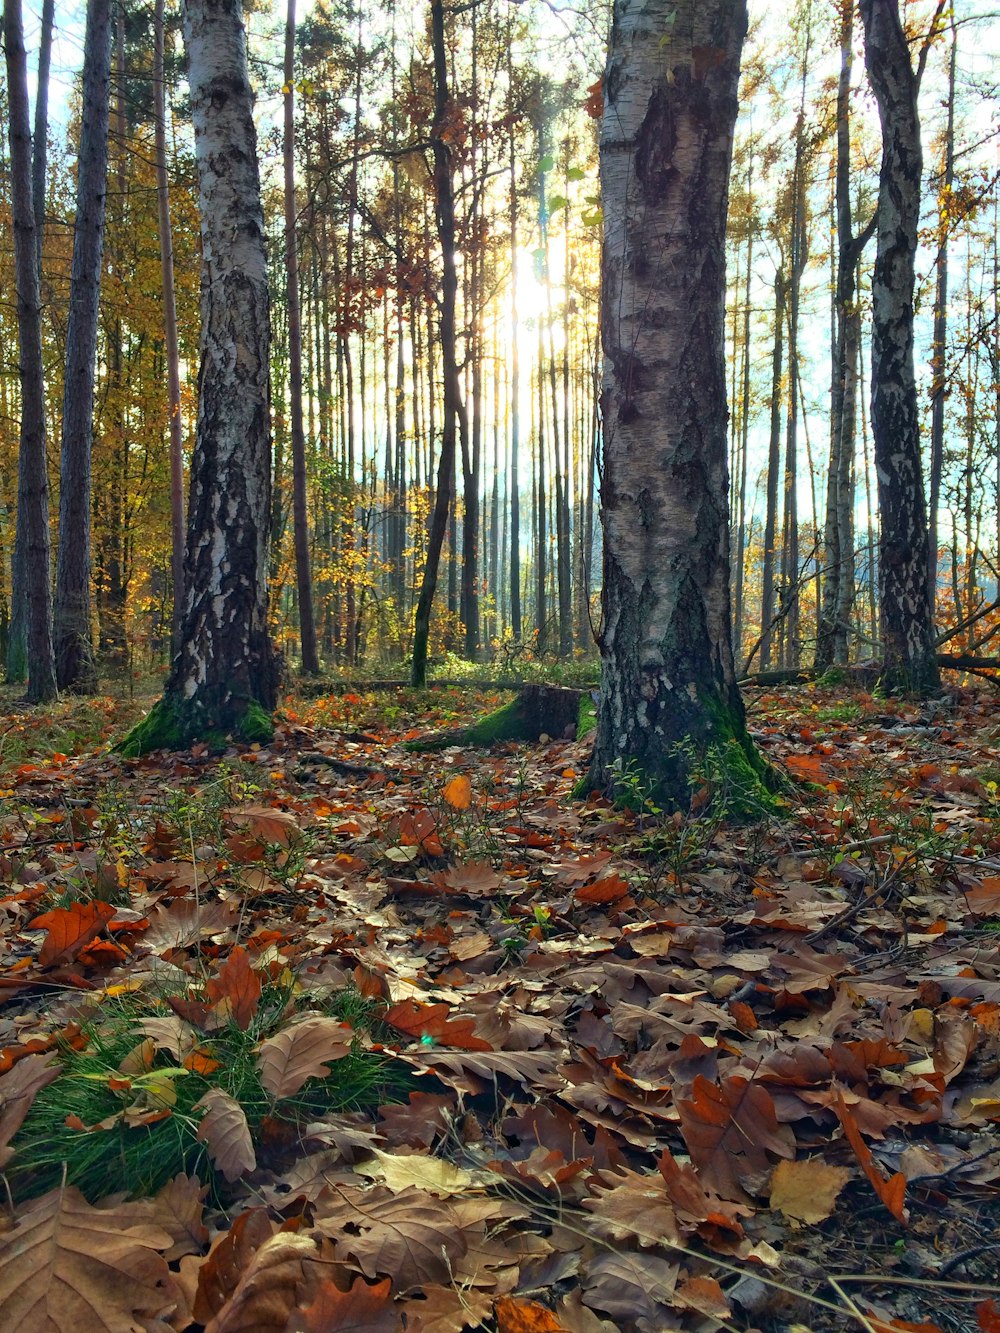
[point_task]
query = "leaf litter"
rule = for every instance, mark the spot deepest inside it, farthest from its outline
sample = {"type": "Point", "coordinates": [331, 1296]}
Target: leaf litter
{"type": "Point", "coordinates": [653, 1073]}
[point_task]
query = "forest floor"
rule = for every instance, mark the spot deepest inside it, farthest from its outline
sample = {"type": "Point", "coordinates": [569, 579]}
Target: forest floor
{"type": "Point", "coordinates": [335, 1036]}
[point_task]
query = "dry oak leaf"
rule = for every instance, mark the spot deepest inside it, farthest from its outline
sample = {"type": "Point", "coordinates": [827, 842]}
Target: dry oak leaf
{"type": "Point", "coordinates": [69, 929]}
{"type": "Point", "coordinates": [432, 1021]}
{"type": "Point", "coordinates": [984, 899]}
{"type": "Point", "coordinates": [235, 992]}
{"type": "Point", "coordinates": [892, 1192]}
{"type": "Point", "coordinates": [178, 1209]}
{"type": "Point", "coordinates": [363, 1309]}
{"type": "Point", "coordinates": [411, 1237]}
{"type": "Point", "coordinates": [520, 1316]}
{"type": "Point", "coordinates": [636, 1210]}
{"type": "Point", "coordinates": [474, 878]}
{"type": "Point", "coordinates": [398, 1171]}
{"type": "Point", "coordinates": [807, 1191]}
{"type": "Point", "coordinates": [66, 1265]}
{"type": "Point", "coordinates": [265, 823]}
{"type": "Point", "coordinates": [637, 1288]}
{"type": "Point", "coordinates": [226, 1134]}
{"type": "Point", "coordinates": [704, 1295]}
{"type": "Point", "coordinates": [231, 1254]}
{"type": "Point", "coordinates": [301, 1051]}
{"type": "Point", "coordinates": [269, 1288]}
{"type": "Point", "coordinates": [17, 1091]}
{"type": "Point", "coordinates": [448, 1309]}
{"type": "Point", "coordinates": [729, 1129]}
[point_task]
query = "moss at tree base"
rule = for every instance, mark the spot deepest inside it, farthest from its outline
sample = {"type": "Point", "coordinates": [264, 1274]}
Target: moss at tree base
{"type": "Point", "coordinates": [168, 726]}
{"type": "Point", "coordinates": [538, 710]}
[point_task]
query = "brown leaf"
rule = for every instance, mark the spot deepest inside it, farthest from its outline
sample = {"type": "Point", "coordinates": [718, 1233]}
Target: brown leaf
{"type": "Point", "coordinates": [984, 899]}
{"type": "Point", "coordinates": [729, 1130]}
{"type": "Point", "coordinates": [892, 1192]}
{"type": "Point", "coordinates": [269, 1287]}
{"type": "Point", "coordinates": [18, 1088]}
{"type": "Point", "coordinates": [807, 1190]}
{"type": "Point", "coordinates": [637, 1210]}
{"type": "Point", "coordinates": [66, 1265]}
{"type": "Point", "coordinates": [410, 1237]}
{"type": "Point", "coordinates": [364, 1309]}
{"type": "Point", "coordinates": [446, 1310]}
{"type": "Point", "coordinates": [235, 992]}
{"type": "Point", "coordinates": [226, 1134]}
{"type": "Point", "coordinates": [70, 928]}
{"type": "Point", "coordinates": [265, 823]}
{"type": "Point", "coordinates": [300, 1052]}
{"type": "Point", "coordinates": [631, 1287]}
{"type": "Point", "coordinates": [178, 1209]}
{"type": "Point", "coordinates": [231, 1254]}
{"type": "Point", "coordinates": [475, 878]}
{"type": "Point", "coordinates": [458, 792]}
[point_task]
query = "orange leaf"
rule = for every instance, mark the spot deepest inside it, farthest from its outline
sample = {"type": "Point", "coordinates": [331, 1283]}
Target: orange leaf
{"type": "Point", "coordinates": [235, 992]}
{"type": "Point", "coordinates": [807, 767]}
{"type": "Point", "coordinates": [892, 1192]}
{"type": "Point", "coordinates": [431, 1024]}
{"type": "Point", "coordinates": [988, 1316]}
{"type": "Point", "coordinates": [363, 1309]}
{"type": "Point", "coordinates": [515, 1316]}
{"type": "Point", "coordinates": [458, 792]}
{"type": "Point", "coordinates": [607, 890]}
{"type": "Point", "coordinates": [70, 928]}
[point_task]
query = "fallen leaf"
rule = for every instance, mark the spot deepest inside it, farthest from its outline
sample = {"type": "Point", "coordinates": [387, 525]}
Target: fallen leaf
{"type": "Point", "coordinates": [364, 1309]}
{"type": "Point", "coordinates": [69, 929]}
{"type": "Point", "coordinates": [226, 1134]}
{"type": "Point", "coordinates": [892, 1192]}
{"type": "Point", "coordinates": [458, 792]}
{"type": "Point", "coordinates": [18, 1088]}
{"type": "Point", "coordinates": [400, 1170]}
{"type": "Point", "coordinates": [521, 1316]}
{"type": "Point", "coordinates": [730, 1128]}
{"type": "Point", "coordinates": [807, 1190]}
{"type": "Point", "coordinates": [235, 993]}
{"type": "Point", "coordinates": [301, 1051]}
{"type": "Point", "coordinates": [68, 1266]}
{"type": "Point", "coordinates": [431, 1024]}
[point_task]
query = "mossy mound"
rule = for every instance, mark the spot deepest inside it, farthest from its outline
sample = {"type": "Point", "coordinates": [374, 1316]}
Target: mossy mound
{"type": "Point", "coordinates": [168, 726]}
{"type": "Point", "coordinates": [538, 710]}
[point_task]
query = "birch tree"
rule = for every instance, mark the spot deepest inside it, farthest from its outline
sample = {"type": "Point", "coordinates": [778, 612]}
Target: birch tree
{"type": "Point", "coordinates": [224, 677]}
{"type": "Point", "coordinates": [668, 692]}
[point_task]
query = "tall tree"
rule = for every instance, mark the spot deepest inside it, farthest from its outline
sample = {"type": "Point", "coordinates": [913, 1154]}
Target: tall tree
{"type": "Point", "coordinates": [300, 516]}
{"type": "Point", "coordinates": [171, 349]}
{"type": "Point", "coordinates": [668, 688]}
{"type": "Point", "coordinates": [73, 649]}
{"type": "Point", "coordinates": [32, 549]}
{"type": "Point", "coordinates": [224, 677]}
{"type": "Point", "coordinates": [906, 623]}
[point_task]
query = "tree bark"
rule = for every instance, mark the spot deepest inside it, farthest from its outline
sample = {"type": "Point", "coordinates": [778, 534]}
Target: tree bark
{"type": "Point", "coordinates": [73, 647]}
{"type": "Point", "coordinates": [224, 677]}
{"type": "Point", "coordinates": [669, 699]}
{"type": "Point", "coordinates": [906, 622]}
{"type": "Point", "coordinates": [171, 349]}
{"type": "Point", "coordinates": [300, 516]}
{"type": "Point", "coordinates": [32, 532]}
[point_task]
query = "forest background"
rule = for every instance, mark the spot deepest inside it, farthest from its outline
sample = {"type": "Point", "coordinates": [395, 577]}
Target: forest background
{"type": "Point", "coordinates": [521, 560]}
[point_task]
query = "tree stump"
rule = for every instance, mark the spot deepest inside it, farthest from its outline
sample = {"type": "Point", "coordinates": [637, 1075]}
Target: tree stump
{"type": "Point", "coordinates": [536, 711]}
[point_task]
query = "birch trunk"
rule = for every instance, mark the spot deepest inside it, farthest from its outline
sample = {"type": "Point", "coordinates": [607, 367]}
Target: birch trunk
{"type": "Point", "coordinates": [668, 691]}
{"type": "Point", "coordinates": [906, 624]}
{"type": "Point", "coordinates": [224, 677]}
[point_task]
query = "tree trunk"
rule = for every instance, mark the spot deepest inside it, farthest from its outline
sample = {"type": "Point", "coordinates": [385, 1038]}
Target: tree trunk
{"type": "Point", "coordinates": [906, 623]}
{"type": "Point", "coordinates": [300, 516]}
{"type": "Point", "coordinates": [669, 703]}
{"type": "Point", "coordinates": [32, 534]}
{"type": "Point", "coordinates": [224, 677]}
{"type": "Point", "coordinates": [444, 203]}
{"type": "Point", "coordinates": [767, 598]}
{"type": "Point", "coordinates": [171, 349]}
{"type": "Point", "coordinates": [515, 398]}
{"type": "Point", "coordinates": [73, 647]}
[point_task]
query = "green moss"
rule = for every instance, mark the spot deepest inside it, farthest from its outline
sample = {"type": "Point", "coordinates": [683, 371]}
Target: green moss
{"type": "Point", "coordinates": [167, 726]}
{"type": "Point", "coordinates": [504, 724]}
{"type": "Point", "coordinates": [586, 720]}
{"type": "Point", "coordinates": [257, 726]}
{"type": "Point", "coordinates": [160, 729]}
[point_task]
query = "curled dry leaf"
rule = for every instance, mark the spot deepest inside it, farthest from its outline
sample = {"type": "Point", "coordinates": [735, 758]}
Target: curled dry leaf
{"type": "Point", "coordinates": [730, 1127]}
{"type": "Point", "coordinates": [265, 823]}
{"type": "Point", "coordinates": [68, 1266]}
{"type": "Point", "coordinates": [892, 1192]}
{"type": "Point", "coordinates": [231, 1255]}
{"type": "Point", "coordinates": [399, 1171]}
{"type": "Point", "coordinates": [18, 1088]}
{"type": "Point", "coordinates": [269, 1287]}
{"type": "Point", "coordinates": [226, 1134]}
{"type": "Point", "coordinates": [300, 1052]}
{"type": "Point", "coordinates": [235, 992]}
